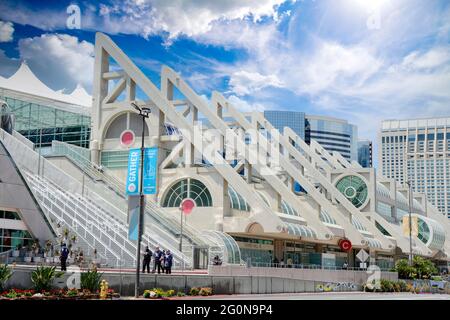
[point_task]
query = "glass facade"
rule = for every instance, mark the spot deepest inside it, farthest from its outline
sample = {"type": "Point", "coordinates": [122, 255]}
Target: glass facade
{"type": "Point", "coordinates": [365, 154]}
{"type": "Point", "coordinates": [56, 124]}
{"type": "Point", "coordinates": [187, 188]}
{"type": "Point", "coordinates": [11, 238]}
{"type": "Point", "coordinates": [292, 119]}
{"type": "Point", "coordinates": [333, 135]}
{"type": "Point", "coordinates": [354, 189]}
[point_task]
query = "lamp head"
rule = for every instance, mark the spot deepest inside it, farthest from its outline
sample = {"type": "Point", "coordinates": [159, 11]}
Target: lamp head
{"type": "Point", "coordinates": [135, 106]}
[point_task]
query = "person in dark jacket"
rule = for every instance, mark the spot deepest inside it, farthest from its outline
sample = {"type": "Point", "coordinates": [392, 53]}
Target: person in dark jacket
{"type": "Point", "coordinates": [168, 261]}
{"type": "Point", "coordinates": [63, 257]}
{"type": "Point", "coordinates": [147, 259]}
{"type": "Point", "coordinates": [158, 257]}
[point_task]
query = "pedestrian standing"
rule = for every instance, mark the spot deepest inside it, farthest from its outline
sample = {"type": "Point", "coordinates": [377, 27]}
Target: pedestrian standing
{"type": "Point", "coordinates": [168, 261]}
{"type": "Point", "coordinates": [147, 260]}
{"type": "Point", "coordinates": [63, 257]}
{"type": "Point", "coordinates": [158, 256]}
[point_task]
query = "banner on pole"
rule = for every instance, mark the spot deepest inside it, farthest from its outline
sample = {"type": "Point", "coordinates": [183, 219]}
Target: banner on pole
{"type": "Point", "coordinates": [134, 159]}
{"type": "Point", "coordinates": [414, 226]}
{"type": "Point", "coordinates": [133, 217]}
{"type": "Point", "coordinates": [150, 170]}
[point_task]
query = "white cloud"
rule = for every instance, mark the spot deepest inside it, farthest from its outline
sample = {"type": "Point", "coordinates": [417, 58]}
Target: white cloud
{"type": "Point", "coordinates": [427, 60]}
{"type": "Point", "coordinates": [195, 17]}
{"type": "Point", "coordinates": [243, 82]}
{"type": "Point", "coordinates": [60, 60]}
{"type": "Point", "coordinates": [6, 31]}
{"type": "Point", "coordinates": [245, 106]}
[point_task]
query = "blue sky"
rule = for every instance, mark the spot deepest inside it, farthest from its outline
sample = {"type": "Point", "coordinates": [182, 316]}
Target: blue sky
{"type": "Point", "coordinates": [362, 60]}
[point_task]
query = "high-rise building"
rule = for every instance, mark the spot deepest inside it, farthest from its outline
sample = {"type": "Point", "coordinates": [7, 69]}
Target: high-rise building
{"type": "Point", "coordinates": [292, 119]}
{"type": "Point", "coordinates": [419, 151]}
{"type": "Point", "coordinates": [365, 153]}
{"type": "Point", "coordinates": [333, 134]}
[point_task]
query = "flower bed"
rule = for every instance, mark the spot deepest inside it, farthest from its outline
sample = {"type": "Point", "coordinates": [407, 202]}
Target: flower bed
{"type": "Point", "coordinates": [54, 294]}
{"type": "Point", "coordinates": [157, 293]}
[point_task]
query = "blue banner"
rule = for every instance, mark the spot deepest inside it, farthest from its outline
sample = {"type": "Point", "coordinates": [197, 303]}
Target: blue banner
{"type": "Point", "coordinates": [150, 170]}
{"type": "Point", "coordinates": [134, 159]}
{"type": "Point", "coordinates": [133, 217]}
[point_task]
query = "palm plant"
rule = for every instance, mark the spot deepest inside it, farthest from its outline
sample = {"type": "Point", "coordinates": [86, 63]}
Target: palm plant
{"type": "Point", "coordinates": [43, 277]}
{"type": "Point", "coordinates": [5, 274]}
{"type": "Point", "coordinates": [90, 280]}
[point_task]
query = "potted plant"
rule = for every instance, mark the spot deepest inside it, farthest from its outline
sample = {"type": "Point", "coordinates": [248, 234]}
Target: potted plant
{"type": "Point", "coordinates": [56, 256]}
{"type": "Point", "coordinates": [16, 252]}
{"type": "Point", "coordinates": [5, 274]}
{"type": "Point", "coordinates": [28, 254]}
{"type": "Point", "coordinates": [48, 246]}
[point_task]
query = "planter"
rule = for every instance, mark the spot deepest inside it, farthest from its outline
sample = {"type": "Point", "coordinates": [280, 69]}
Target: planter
{"type": "Point", "coordinates": [49, 260]}
{"type": "Point", "coordinates": [16, 253]}
{"type": "Point", "coordinates": [56, 259]}
{"type": "Point", "coordinates": [27, 259]}
{"type": "Point", "coordinates": [37, 259]}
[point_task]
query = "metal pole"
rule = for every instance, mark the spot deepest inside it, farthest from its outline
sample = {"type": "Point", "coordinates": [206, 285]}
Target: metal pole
{"type": "Point", "coordinates": [181, 231]}
{"type": "Point", "coordinates": [141, 211]}
{"type": "Point", "coordinates": [40, 147]}
{"type": "Point", "coordinates": [410, 223]}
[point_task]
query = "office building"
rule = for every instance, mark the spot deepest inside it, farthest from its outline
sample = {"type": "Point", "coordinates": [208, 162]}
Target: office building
{"type": "Point", "coordinates": [365, 153]}
{"type": "Point", "coordinates": [418, 151]}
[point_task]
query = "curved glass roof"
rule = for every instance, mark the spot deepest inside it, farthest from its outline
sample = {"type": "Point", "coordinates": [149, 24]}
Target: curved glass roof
{"type": "Point", "coordinates": [327, 218]}
{"type": "Point", "coordinates": [357, 224]}
{"type": "Point", "coordinates": [300, 230]}
{"type": "Point", "coordinates": [374, 243]}
{"type": "Point", "coordinates": [237, 202]}
{"type": "Point", "coordinates": [287, 209]}
{"type": "Point", "coordinates": [431, 232]}
{"type": "Point", "coordinates": [230, 252]}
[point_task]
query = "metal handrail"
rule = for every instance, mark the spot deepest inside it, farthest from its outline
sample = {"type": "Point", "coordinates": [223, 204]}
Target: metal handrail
{"type": "Point", "coordinates": [308, 266]}
{"type": "Point", "coordinates": [119, 187]}
{"type": "Point", "coordinates": [45, 193]}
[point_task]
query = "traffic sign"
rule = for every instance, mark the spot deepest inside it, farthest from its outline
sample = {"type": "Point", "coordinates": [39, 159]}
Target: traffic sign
{"type": "Point", "coordinates": [362, 255]}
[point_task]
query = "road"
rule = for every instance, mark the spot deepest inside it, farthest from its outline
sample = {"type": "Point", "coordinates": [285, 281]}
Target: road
{"type": "Point", "coordinates": [329, 296]}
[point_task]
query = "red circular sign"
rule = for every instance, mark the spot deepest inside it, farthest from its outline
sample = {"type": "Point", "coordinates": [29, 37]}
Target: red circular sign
{"type": "Point", "coordinates": [127, 138]}
{"type": "Point", "coordinates": [187, 205]}
{"type": "Point", "coordinates": [345, 245]}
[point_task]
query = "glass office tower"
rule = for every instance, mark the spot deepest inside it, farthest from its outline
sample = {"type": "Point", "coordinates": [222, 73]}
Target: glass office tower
{"type": "Point", "coordinates": [365, 153]}
{"type": "Point", "coordinates": [292, 119]}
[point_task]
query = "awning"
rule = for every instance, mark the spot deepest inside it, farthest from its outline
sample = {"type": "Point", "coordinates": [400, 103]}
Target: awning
{"type": "Point", "coordinates": [300, 230]}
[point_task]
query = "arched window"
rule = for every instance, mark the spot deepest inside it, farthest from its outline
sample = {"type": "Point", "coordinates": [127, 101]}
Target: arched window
{"type": "Point", "coordinates": [187, 188]}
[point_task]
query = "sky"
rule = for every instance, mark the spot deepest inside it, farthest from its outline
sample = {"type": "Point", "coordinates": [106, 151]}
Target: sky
{"type": "Point", "coordinates": [361, 60]}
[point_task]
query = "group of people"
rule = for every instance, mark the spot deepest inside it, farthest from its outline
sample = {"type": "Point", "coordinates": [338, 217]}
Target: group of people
{"type": "Point", "coordinates": [162, 261]}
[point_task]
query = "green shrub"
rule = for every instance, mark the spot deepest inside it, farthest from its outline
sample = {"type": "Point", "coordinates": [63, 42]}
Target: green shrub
{"type": "Point", "coordinates": [90, 280]}
{"type": "Point", "coordinates": [180, 294]}
{"type": "Point", "coordinates": [170, 293]}
{"type": "Point", "coordinates": [205, 291]}
{"type": "Point", "coordinates": [5, 274]}
{"type": "Point", "coordinates": [420, 269]}
{"type": "Point", "coordinates": [43, 277]}
{"type": "Point", "coordinates": [194, 291]}
{"type": "Point", "coordinates": [387, 285]}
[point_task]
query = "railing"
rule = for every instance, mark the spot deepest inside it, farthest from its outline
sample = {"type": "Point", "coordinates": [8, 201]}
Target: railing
{"type": "Point", "coordinates": [308, 266]}
{"type": "Point", "coordinates": [4, 256]}
{"type": "Point", "coordinates": [28, 159]}
{"type": "Point", "coordinates": [103, 174]}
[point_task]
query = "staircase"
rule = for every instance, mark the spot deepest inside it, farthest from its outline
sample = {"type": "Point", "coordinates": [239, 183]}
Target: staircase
{"type": "Point", "coordinates": [108, 186]}
{"type": "Point", "coordinates": [95, 228]}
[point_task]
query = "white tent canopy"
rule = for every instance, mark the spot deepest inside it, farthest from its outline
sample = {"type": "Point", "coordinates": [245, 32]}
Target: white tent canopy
{"type": "Point", "coordinates": [25, 81]}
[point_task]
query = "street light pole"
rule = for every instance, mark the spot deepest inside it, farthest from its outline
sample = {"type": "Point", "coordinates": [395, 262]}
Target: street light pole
{"type": "Point", "coordinates": [410, 198]}
{"type": "Point", "coordinates": [143, 112]}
